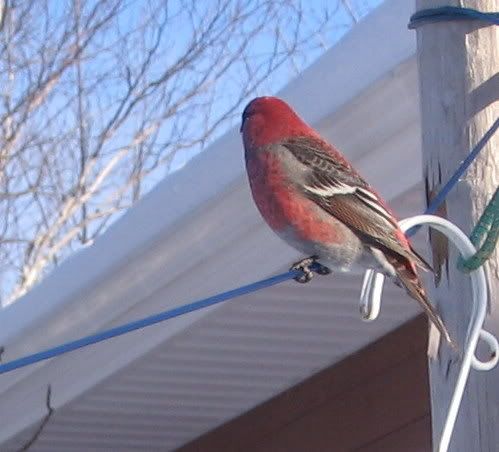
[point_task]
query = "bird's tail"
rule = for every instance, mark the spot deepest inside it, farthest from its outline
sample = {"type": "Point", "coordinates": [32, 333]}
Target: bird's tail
{"type": "Point", "coordinates": [407, 277]}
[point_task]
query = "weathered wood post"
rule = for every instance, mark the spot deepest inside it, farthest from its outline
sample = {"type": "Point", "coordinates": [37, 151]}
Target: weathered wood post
{"type": "Point", "coordinates": [459, 85]}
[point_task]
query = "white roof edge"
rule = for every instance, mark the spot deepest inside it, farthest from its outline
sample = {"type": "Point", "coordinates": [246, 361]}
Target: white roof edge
{"type": "Point", "coordinates": [109, 274]}
{"type": "Point", "coordinates": [334, 84]}
{"type": "Point", "coordinates": [369, 39]}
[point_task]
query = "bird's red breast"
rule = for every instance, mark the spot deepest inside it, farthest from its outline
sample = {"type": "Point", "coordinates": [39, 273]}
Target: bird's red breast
{"type": "Point", "coordinates": [281, 205]}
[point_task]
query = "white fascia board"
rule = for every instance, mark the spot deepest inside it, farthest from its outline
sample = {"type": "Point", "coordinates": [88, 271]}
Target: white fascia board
{"type": "Point", "coordinates": [377, 45]}
{"type": "Point", "coordinates": [180, 242]}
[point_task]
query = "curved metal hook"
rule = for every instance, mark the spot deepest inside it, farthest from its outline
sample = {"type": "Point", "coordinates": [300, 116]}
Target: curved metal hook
{"type": "Point", "coordinates": [370, 295]}
{"type": "Point", "coordinates": [370, 301]}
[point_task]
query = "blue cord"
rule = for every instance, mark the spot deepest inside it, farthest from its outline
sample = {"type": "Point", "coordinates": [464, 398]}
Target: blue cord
{"type": "Point", "coordinates": [451, 13]}
{"type": "Point", "coordinates": [211, 301]}
{"type": "Point", "coordinates": [437, 201]}
{"type": "Point", "coordinates": [145, 322]}
{"type": "Point", "coordinates": [442, 194]}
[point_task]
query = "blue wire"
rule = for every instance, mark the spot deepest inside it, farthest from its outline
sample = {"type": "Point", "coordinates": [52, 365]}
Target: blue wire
{"type": "Point", "coordinates": [219, 298]}
{"type": "Point", "coordinates": [145, 322]}
{"type": "Point", "coordinates": [451, 13]}
{"type": "Point", "coordinates": [437, 201]}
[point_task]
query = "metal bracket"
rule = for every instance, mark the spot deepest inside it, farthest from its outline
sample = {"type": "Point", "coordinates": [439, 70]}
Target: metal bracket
{"type": "Point", "coordinates": [370, 304]}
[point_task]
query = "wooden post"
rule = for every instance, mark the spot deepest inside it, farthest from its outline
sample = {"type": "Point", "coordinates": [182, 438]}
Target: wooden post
{"type": "Point", "coordinates": [459, 84]}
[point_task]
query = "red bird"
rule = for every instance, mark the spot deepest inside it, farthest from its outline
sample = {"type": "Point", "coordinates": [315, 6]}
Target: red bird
{"type": "Point", "coordinates": [313, 198]}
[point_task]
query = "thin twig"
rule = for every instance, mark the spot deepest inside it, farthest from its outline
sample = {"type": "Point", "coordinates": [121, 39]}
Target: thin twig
{"type": "Point", "coordinates": [42, 425]}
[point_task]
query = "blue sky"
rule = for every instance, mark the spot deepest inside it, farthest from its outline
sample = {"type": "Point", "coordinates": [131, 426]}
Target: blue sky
{"type": "Point", "coordinates": [342, 21]}
{"type": "Point", "coordinates": [124, 46]}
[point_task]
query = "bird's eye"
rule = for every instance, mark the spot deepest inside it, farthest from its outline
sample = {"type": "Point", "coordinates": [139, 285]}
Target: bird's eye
{"type": "Point", "coordinates": [245, 116]}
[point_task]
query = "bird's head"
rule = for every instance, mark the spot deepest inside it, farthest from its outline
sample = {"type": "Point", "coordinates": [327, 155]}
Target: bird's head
{"type": "Point", "coordinates": [268, 120]}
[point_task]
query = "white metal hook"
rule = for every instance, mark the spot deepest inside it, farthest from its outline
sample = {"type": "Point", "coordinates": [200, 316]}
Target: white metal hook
{"type": "Point", "coordinates": [370, 295]}
{"type": "Point", "coordinates": [370, 302]}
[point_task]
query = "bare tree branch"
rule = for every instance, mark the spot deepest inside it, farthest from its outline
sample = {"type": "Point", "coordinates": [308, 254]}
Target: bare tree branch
{"type": "Point", "coordinates": [99, 99]}
{"type": "Point", "coordinates": [39, 430]}
{"type": "Point", "coordinates": [3, 12]}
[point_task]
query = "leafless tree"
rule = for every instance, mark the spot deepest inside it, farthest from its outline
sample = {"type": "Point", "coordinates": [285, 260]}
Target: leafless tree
{"type": "Point", "coordinates": [99, 99]}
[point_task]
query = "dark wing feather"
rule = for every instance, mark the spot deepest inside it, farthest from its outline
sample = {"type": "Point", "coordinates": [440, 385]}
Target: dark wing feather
{"type": "Point", "coordinates": [339, 190]}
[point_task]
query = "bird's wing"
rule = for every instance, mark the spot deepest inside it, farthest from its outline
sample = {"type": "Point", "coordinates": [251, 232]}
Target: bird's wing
{"type": "Point", "coordinates": [336, 187]}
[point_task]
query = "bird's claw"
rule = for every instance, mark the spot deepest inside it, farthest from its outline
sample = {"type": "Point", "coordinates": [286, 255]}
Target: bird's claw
{"type": "Point", "coordinates": [321, 269]}
{"type": "Point", "coordinates": [307, 267]}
